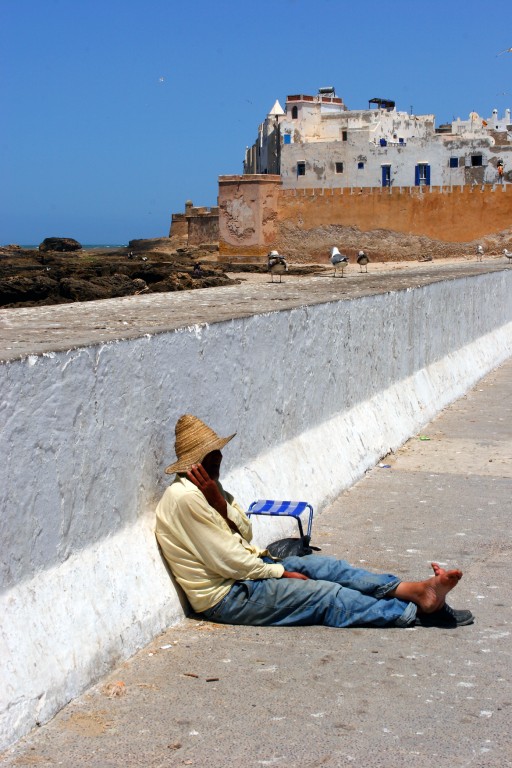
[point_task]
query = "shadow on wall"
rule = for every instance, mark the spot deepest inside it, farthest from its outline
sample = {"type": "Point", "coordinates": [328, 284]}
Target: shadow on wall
{"type": "Point", "coordinates": [185, 605]}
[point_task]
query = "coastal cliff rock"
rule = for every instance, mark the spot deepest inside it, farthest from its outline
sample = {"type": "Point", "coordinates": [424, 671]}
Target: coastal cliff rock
{"type": "Point", "coordinates": [60, 244]}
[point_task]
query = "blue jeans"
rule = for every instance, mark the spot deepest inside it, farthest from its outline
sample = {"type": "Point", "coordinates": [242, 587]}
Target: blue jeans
{"type": "Point", "coordinates": [336, 595]}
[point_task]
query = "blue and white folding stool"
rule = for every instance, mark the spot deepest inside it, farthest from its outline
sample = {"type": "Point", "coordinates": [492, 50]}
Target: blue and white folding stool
{"type": "Point", "coordinates": [283, 509]}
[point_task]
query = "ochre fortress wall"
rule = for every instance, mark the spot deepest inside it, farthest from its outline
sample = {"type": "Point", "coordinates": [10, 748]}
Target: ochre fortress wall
{"type": "Point", "coordinates": [452, 215]}
{"type": "Point", "coordinates": [256, 214]}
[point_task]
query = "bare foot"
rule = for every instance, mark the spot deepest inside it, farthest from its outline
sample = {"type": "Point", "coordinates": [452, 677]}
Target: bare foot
{"type": "Point", "coordinates": [429, 595]}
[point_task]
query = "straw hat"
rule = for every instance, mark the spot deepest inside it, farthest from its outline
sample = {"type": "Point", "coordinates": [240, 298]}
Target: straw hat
{"type": "Point", "coordinates": [193, 441]}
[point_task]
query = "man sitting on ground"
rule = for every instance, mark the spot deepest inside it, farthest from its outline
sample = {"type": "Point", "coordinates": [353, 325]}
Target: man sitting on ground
{"type": "Point", "coordinates": [205, 538]}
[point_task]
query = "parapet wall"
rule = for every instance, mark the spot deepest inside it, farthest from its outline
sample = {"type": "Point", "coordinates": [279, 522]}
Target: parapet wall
{"type": "Point", "coordinates": [317, 395]}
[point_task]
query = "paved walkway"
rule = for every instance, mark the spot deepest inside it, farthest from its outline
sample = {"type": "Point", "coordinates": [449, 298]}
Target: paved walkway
{"type": "Point", "coordinates": [225, 697]}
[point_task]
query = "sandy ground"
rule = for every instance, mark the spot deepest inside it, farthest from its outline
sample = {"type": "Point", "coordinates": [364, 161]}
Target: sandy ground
{"type": "Point", "coordinates": [379, 267]}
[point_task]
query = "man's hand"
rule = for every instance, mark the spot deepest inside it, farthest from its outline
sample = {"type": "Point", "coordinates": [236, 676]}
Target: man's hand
{"type": "Point", "coordinates": [209, 488]}
{"type": "Point", "coordinates": [294, 575]}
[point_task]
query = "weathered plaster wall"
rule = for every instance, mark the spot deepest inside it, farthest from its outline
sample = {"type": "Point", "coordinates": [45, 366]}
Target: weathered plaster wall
{"type": "Point", "coordinates": [401, 152]}
{"type": "Point", "coordinates": [247, 214]}
{"type": "Point", "coordinates": [319, 391]}
{"type": "Point", "coordinates": [203, 227]}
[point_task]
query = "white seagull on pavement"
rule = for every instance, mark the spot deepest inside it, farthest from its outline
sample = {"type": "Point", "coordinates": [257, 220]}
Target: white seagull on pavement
{"type": "Point", "coordinates": [338, 260]}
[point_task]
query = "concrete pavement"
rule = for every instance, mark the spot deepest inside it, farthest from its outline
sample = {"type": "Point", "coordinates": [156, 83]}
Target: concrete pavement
{"type": "Point", "coordinates": [208, 695]}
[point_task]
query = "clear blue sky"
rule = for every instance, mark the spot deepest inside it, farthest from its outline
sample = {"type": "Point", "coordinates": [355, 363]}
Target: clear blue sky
{"type": "Point", "coordinates": [117, 111]}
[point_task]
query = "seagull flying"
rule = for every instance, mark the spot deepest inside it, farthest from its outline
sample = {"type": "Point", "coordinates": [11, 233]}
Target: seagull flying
{"type": "Point", "coordinates": [276, 264]}
{"type": "Point", "coordinates": [338, 260]}
{"type": "Point", "coordinates": [507, 50]}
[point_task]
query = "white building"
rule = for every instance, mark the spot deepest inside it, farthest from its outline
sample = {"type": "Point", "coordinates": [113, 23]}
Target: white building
{"type": "Point", "coordinates": [318, 142]}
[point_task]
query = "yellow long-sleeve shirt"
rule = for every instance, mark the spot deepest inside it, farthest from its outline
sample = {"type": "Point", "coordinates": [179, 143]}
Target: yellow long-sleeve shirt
{"type": "Point", "coordinates": [205, 556]}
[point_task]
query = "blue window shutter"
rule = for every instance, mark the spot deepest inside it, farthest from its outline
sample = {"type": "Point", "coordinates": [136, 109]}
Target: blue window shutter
{"type": "Point", "coordinates": [427, 175]}
{"type": "Point", "coordinates": [417, 176]}
{"type": "Point", "coordinates": [287, 138]}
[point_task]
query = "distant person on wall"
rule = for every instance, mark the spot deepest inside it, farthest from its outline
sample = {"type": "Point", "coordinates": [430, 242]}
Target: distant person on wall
{"type": "Point", "coordinates": [205, 537]}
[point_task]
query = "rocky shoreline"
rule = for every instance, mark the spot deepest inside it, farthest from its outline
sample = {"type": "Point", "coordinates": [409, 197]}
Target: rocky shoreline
{"type": "Point", "coordinates": [60, 275]}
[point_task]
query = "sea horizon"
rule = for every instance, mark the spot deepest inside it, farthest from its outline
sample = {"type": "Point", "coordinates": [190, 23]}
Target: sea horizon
{"type": "Point", "coordinates": [85, 247]}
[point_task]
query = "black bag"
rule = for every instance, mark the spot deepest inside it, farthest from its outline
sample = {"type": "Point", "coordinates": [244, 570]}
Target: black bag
{"type": "Point", "coordinates": [293, 547]}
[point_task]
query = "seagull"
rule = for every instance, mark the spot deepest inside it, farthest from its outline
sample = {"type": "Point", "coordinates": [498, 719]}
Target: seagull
{"type": "Point", "coordinates": [362, 260]}
{"type": "Point", "coordinates": [338, 260]}
{"type": "Point", "coordinates": [479, 252]}
{"type": "Point", "coordinates": [507, 50]}
{"type": "Point", "coordinates": [508, 254]}
{"type": "Point", "coordinates": [276, 264]}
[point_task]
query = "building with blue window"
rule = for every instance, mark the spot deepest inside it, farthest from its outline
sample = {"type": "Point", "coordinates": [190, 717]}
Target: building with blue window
{"type": "Point", "coordinates": [318, 142]}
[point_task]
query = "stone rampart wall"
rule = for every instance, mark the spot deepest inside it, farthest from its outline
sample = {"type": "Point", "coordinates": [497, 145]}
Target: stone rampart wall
{"type": "Point", "coordinates": [256, 214]}
{"type": "Point", "coordinates": [450, 214]}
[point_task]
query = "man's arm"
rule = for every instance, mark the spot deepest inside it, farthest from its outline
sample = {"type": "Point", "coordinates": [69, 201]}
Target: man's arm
{"type": "Point", "coordinates": [210, 490]}
{"type": "Point", "coordinates": [208, 540]}
{"type": "Point", "coordinates": [208, 487]}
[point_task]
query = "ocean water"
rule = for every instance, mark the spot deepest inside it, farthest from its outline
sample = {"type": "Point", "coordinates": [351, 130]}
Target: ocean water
{"type": "Point", "coordinates": [85, 247]}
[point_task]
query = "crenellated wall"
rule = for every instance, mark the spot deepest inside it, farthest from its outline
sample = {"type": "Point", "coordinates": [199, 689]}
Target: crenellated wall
{"type": "Point", "coordinates": [450, 214]}
{"type": "Point", "coordinates": [319, 391]}
{"type": "Point", "coordinates": [197, 226]}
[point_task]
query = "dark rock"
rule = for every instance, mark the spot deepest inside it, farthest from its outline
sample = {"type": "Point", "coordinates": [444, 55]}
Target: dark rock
{"type": "Point", "coordinates": [151, 244]}
{"type": "Point", "coordinates": [183, 281]}
{"type": "Point", "coordinates": [75, 289]}
{"type": "Point", "coordinates": [19, 289]}
{"type": "Point", "coordinates": [109, 287]}
{"type": "Point", "coordinates": [178, 281]}
{"type": "Point", "coordinates": [151, 273]}
{"type": "Point", "coordinates": [36, 278]}
{"type": "Point", "coordinates": [62, 244]}
{"type": "Point", "coordinates": [140, 286]}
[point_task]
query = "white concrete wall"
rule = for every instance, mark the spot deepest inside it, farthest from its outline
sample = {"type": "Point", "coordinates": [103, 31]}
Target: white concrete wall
{"type": "Point", "coordinates": [317, 395]}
